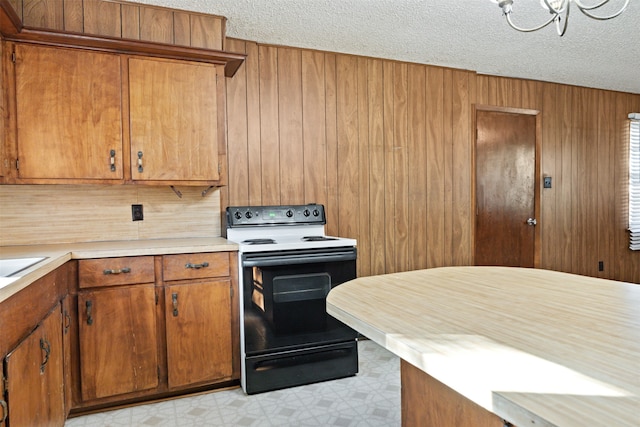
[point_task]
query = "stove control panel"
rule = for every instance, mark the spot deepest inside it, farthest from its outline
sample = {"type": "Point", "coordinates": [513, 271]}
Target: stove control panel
{"type": "Point", "coordinates": [256, 216]}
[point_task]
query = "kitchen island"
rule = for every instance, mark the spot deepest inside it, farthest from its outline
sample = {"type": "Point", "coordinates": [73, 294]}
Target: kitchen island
{"type": "Point", "coordinates": [480, 345]}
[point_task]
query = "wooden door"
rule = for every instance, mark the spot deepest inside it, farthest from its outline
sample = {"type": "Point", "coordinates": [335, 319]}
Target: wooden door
{"type": "Point", "coordinates": [35, 390]}
{"type": "Point", "coordinates": [69, 117]}
{"type": "Point", "coordinates": [198, 319]}
{"type": "Point", "coordinates": [174, 120]}
{"type": "Point", "coordinates": [118, 344]}
{"type": "Point", "coordinates": [505, 189]}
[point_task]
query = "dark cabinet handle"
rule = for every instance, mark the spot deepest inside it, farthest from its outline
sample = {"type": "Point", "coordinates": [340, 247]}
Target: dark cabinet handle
{"type": "Point", "coordinates": [89, 306]}
{"type": "Point", "coordinates": [46, 347]}
{"type": "Point", "coordinates": [118, 271]}
{"type": "Point", "coordinates": [5, 410]}
{"type": "Point", "coordinates": [174, 301]}
{"type": "Point", "coordinates": [196, 266]}
{"type": "Point", "coordinates": [112, 155]}
{"type": "Point", "coordinates": [67, 322]}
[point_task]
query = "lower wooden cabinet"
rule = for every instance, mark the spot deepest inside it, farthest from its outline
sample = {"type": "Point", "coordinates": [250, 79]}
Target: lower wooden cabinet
{"type": "Point", "coordinates": [118, 345]}
{"type": "Point", "coordinates": [35, 377]}
{"type": "Point", "coordinates": [198, 319]}
{"type": "Point", "coordinates": [155, 325]}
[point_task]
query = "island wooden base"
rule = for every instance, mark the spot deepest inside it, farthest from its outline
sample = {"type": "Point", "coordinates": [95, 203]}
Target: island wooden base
{"type": "Point", "coordinates": [426, 402]}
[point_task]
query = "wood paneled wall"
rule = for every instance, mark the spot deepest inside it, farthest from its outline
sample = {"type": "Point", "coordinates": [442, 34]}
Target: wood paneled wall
{"type": "Point", "coordinates": [387, 147]}
{"type": "Point", "coordinates": [125, 20]}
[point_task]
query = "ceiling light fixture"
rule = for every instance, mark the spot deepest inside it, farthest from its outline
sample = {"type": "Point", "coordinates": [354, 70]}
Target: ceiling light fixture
{"type": "Point", "coordinates": [559, 10]}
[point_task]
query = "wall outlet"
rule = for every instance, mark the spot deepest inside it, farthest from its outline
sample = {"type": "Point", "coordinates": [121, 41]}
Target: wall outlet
{"type": "Point", "coordinates": [547, 182]}
{"type": "Point", "coordinates": [136, 213]}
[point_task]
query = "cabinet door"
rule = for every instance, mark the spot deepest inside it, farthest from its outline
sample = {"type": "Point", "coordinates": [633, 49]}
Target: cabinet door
{"type": "Point", "coordinates": [174, 120]}
{"type": "Point", "coordinates": [118, 344]}
{"type": "Point", "coordinates": [35, 390]}
{"type": "Point", "coordinates": [69, 116]}
{"type": "Point", "coordinates": [198, 319]}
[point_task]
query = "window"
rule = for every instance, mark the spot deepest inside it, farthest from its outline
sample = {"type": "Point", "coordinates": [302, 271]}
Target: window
{"type": "Point", "coordinates": [634, 181]}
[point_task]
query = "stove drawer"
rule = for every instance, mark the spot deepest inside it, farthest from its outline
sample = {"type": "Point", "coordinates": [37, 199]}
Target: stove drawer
{"type": "Point", "coordinates": [115, 271]}
{"type": "Point", "coordinates": [196, 266]}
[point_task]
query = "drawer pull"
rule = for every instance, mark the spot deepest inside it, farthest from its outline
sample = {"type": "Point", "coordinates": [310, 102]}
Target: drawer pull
{"type": "Point", "coordinates": [112, 154]}
{"type": "Point", "coordinates": [121, 270]}
{"type": "Point", "coordinates": [89, 306]}
{"type": "Point", "coordinates": [46, 347]}
{"type": "Point", "coordinates": [196, 266]}
{"type": "Point", "coordinates": [140, 168]}
{"type": "Point", "coordinates": [174, 301]}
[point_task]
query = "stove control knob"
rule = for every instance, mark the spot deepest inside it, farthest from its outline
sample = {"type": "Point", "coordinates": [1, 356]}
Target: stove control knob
{"type": "Point", "coordinates": [238, 215]}
{"type": "Point", "coordinates": [316, 212]}
{"type": "Point", "coordinates": [306, 212]}
{"type": "Point", "coordinates": [289, 213]}
{"type": "Point", "coordinates": [249, 215]}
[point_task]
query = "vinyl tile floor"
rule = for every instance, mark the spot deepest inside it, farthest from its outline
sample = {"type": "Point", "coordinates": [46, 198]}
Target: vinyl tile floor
{"type": "Point", "coordinates": [369, 399]}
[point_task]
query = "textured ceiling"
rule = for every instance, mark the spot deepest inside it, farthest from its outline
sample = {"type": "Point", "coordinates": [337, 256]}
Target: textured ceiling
{"type": "Point", "coordinates": [466, 34]}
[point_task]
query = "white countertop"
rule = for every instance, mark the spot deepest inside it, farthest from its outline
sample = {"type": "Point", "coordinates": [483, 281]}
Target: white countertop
{"type": "Point", "coordinates": [56, 255]}
{"type": "Point", "coordinates": [535, 347]}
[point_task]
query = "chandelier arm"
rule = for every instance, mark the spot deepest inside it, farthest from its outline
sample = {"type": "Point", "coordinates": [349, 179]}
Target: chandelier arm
{"type": "Point", "coordinates": [558, 18]}
{"type": "Point", "coordinates": [527, 30]}
{"type": "Point", "coordinates": [604, 18]}
{"type": "Point", "coordinates": [595, 6]}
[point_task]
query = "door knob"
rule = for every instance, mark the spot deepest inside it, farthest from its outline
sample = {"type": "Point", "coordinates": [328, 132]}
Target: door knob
{"type": "Point", "coordinates": [532, 221]}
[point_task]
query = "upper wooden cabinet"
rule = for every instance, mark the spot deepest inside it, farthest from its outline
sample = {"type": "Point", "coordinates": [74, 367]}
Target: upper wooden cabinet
{"type": "Point", "coordinates": [175, 113]}
{"type": "Point", "coordinates": [69, 117]}
{"type": "Point", "coordinates": [78, 120]}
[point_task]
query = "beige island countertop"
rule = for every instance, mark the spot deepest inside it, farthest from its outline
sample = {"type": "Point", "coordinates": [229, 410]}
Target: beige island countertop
{"type": "Point", "coordinates": [534, 347]}
{"type": "Point", "coordinates": [57, 254]}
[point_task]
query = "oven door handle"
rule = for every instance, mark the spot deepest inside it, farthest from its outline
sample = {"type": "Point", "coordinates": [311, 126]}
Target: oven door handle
{"type": "Point", "coordinates": [278, 260]}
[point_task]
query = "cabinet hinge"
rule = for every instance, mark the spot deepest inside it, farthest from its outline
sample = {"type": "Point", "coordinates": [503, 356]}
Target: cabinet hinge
{"type": "Point", "coordinates": [157, 298]}
{"type": "Point", "coordinates": [158, 372]}
{"type": "Point", "coordinates": [231, 290]}
{"type": "Point", "coordinates": [13, 57]}
{"type": "Point", "coordinates": [17, 164]}
{"type": "Point", "coordinates": [219, 168]}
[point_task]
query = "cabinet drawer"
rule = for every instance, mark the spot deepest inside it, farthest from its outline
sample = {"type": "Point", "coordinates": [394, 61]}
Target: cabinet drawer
{"type": "Point", "coordinates": [195, 266]}
{"type": "Point", "coordinates": [115, 271]}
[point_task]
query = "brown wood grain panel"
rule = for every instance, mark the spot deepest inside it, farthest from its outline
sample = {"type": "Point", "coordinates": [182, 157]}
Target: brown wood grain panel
{"type": "Point", "coordinates": [389, 166]}
{"type": "Point", "coordinates": [269, 119]}
{"type": "Point", "coordinates": [17, 6]}
{"type": "Point", "coordinates": [156, 25]}
{"type": "Point", "coordinates": [195, 266]}
{"type": "Point", "coordinates": [347, 140]}
{"type": "Point", "coordinates": [437, 168]}
{"type": "Point", "coordinates": [207, 32]}
{"type": "Point", "coordinates": [550, 161]}
{"type": "Point", "coordinates": [447, 142]}
{"type": "Point", "coordinates": [254, 159]}
{"type": "Point", "coordinates": [605, 180]}
{"type": "Point", "coordinates": [182, 28]}
{"type": "Point", "coordinates": [565, 179]}
{"type": "Point", "coordinates": [101, 272]}
{"type": "Point", "coordinates": [43, 14]}
{"type": "Point", "coordinates": [416, 108]}
{"type": "Point", "coordinates": [377, 167]}
{"type": "Point", "coordinates": [427, 402]}
{"type": "Point", "coordinates": [331, 126]}
{"type": "Point", "coordinates": [73, 16]}
{"type": "Point", "coordinates": [237, 131]}
{"type": "Point", "coordinates": [461, 180]}
{"type": "Point", "coordinates": [289, 82]}
{"type": "Point", "coordinates": [482, 89]}
{"type": "Point", "coordinates": [401, 158]}
{"type": "Point", "coordinates": [314, 127]}
{"type": "Point", "coordinates": [362, 172]}
{"type": "Point", "coordinates": [102, 18]}
{"type": "Point", "coordinates": [130, 21]}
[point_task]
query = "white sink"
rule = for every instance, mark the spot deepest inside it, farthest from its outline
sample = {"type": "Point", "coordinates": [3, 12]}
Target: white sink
{"type": "Point", "coordinates": [10, 267]}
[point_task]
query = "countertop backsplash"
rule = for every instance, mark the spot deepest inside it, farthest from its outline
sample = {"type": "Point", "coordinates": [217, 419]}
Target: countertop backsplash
{"type": "Point", "coordinates": [44, 214]}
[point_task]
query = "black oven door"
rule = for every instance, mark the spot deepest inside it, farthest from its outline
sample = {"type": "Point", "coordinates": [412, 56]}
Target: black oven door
{"type": "Point", "coordinates": [284, 297]}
